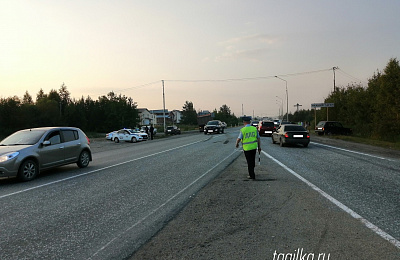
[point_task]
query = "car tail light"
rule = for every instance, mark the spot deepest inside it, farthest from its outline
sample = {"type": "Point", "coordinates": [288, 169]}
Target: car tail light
{"type": "Point", "coordinates": [308, 136]}
{"type": "Point", "coordinates": [88, 140]}
{"type": "Point", "coordinates": [286, 135]}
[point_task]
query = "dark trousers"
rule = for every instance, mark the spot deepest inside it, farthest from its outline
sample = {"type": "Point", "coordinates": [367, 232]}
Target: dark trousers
{"type": "Point", "coordinates": [251, 162]}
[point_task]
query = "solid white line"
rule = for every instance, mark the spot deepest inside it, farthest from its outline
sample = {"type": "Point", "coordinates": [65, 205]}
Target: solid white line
{"type": "Point", "coordinates": [352, 213]}
{"type": "Point", "coordinates": [101, 169]}
{"type": "Point", "coordinates": [350, 151]}
{"type": "Point", "coordinates": [161, 206]}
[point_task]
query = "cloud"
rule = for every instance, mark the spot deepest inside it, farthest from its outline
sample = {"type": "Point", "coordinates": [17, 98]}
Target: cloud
{"type": "Point", "coordinates": [255, 38]}
{"type": "Point", "coordinates": [251, 55]}
{"type": "Point", "coordinates": [251, 47]}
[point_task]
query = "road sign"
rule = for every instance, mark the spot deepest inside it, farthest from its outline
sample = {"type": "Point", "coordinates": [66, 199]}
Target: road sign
{"type": "Point", "coordinates": [315, 105]}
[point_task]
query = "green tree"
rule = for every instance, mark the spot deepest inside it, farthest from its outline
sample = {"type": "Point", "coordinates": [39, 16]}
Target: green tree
{"type": "Point", "coordinates": [27, 99]}
{"type": "Point", "coordinates": [189, 114]}
{"type": "Point", "coordinates": [387, 106]}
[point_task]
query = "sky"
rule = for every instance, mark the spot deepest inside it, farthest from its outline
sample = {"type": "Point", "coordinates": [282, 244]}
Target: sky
{"type": "Point", "coordinates": [209, 52]}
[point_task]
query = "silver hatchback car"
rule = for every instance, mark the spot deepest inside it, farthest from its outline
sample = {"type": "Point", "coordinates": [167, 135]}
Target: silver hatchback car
{"type": "Point", "coordinates": [25, 153]}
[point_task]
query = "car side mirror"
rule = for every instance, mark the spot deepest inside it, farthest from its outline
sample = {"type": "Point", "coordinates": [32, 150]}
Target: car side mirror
{"type": "Point", "coordinates": [46, 143]}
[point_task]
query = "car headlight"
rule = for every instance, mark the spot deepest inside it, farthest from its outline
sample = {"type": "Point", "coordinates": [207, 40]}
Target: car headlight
{"type": "Point", "coordinates": [8, 156]}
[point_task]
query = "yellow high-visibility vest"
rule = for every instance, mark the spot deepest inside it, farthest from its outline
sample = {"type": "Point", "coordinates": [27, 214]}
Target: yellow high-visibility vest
{"type": "Point", "coordinates": [249, 140]}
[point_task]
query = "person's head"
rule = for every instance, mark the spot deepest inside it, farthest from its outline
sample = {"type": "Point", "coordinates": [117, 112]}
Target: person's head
{"type": "Point", "coordinates": [246, 120]}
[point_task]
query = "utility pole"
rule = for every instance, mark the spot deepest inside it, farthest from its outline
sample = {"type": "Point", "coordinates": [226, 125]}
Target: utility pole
{"type": "Point", "coordinates": [334, 78]}
{"type": "Point", "coordinates": [287, 99]}
{"type": "Point", "coordinates": [298, 105]}
{"type": "Point", "coordinates": [163, 94]}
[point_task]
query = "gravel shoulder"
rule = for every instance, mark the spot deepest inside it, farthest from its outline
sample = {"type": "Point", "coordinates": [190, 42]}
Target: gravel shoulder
{"type": "Point", "coordinates": [233, 218]}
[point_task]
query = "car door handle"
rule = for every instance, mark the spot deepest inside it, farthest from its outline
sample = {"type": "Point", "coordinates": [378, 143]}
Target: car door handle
{"type": "Point", "coordinates": [61, 147]}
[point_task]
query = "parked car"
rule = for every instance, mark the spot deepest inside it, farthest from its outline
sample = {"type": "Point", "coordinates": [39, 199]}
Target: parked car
{"type": "Point", "coordinates": [110, 135]}
{"type": "Point", "coordinates": [143, 135]}
{"type": "Point", "coordinates": [173, 130]}
{"type": "Point", "coordinates": [332, 127]}
{"type": "Point", "coordinates": [291, 134]}
{"type": "Point", "coordinates": [214, 126]}
{"type": "Point", "coordinates": [143, 130]}
{"type": "Point", "coordinates": [126, 135]}
{"type": "Point", "coordinates": [266, 128]}
{"type": "Point", "coordinates": [27, 152]}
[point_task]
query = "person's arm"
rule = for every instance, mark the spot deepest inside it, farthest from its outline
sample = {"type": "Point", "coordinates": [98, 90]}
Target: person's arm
{"type": "Point", "coordinates": [237, 142]}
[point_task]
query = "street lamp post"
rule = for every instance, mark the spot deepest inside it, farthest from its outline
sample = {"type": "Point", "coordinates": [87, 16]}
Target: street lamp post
{"type": "Point", "coordinates": [281, 108]}
{"type": "Point", "coordinates": [287, 99]}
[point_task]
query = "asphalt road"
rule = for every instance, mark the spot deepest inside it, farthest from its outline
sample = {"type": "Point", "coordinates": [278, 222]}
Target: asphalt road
{"type": "Point", "coordinates": [108, 210]}
{"type": "Point", "coordinates": [130, 192]}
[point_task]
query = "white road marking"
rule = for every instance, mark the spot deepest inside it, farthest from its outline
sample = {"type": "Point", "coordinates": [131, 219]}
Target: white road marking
{"type": "Point", "coordinates": [350, 151]}
{"type": "Point", "coordinates": [161, 206]}
{"type": "Point", "coordinates": [90, 172]}
{"type": "Point", "coordinates": [352, 213]}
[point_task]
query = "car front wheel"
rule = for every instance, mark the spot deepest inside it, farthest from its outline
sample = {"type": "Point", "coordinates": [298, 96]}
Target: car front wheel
{"type": "Point", "coordinates": [116, 140]}
{"type": "Point", "coordinates": [133, 140]}
{"type": "Point", "coordinates": [83, 160]}
{"type": "Point", "coordinates": [28, 170]}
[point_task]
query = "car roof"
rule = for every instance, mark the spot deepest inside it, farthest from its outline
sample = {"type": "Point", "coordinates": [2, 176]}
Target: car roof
{"type": "Point", "coordinates": [46, 128]}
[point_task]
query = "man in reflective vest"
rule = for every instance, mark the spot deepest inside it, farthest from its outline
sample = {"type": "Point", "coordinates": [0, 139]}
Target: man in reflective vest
{"type": "Point", "coordinates": [250, 142]}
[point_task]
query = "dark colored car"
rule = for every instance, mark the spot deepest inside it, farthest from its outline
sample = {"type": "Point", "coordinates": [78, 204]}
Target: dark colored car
{"type": "Point", "coordinates": [266, 128]}
{"type": "Point", "coordinates": [214, 126]}
{"type": "Point", "coordinates": [173, 130]}
{"type": "Point", "coordinates": [332, 127]}
{"type": "Point", "coordinates": [26, 152]}
{"type": "Point", "coordinates": [291, 134]}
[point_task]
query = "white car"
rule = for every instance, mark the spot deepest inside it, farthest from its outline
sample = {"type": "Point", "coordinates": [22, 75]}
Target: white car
{"type": "Point", "coordinates": [110, 135]}
{"type": "Point", "coordinates": [143, 130]}
{"type": "Point", "coordinates": [143, 135]}
{"type": "Point", "coordinates": [126, 135]}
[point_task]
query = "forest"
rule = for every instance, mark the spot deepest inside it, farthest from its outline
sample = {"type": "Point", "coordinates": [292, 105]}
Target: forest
{"type": "Point", "coordinates": [57, 109]}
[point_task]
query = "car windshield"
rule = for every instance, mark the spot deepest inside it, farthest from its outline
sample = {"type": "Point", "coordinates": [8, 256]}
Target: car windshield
{"type": "Point", "coordinates": [321, 123]}
{"type": "Point", "coordinates": [212, 123]}
{"type": "Point", "coordinates": [26, 137]}
{"type": "Point", "coordinates": [294, 128]}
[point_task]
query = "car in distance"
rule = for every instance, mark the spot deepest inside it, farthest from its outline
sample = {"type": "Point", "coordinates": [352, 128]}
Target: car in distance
{"type": "Point", "coordinates": [266, 128]}
{"type": "Point", "coordinates": [291, 134]}
{"type": "Point", "coordinates": [110, 135]}
{"type": "Point", "coordinates": [126, 135]}
{"type": "Point", "coordinates": [27, 152]}
{"type": "Point", "coordinates": [173, 130]}
{"type": "Point", "coordinates": [143, 130]}
{"type": "Point", "coordinates": [332, 127]}
{"type": "Point", "coordinates": [254, 123]}
{"type": "Point", "coordinates": [214, 126]}
{"type": "Point", "coordinates": [140, 133]}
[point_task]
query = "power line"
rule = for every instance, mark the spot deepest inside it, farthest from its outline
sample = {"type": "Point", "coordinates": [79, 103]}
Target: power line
{"type": "Point", "coordinates": [352, 77]}
{"type": "Point", "coordinates": [254, 78]}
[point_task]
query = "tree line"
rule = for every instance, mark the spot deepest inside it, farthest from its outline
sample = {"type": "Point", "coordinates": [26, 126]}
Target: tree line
{"type": "Point", "coordinates": [224, 114]}
{"type": "Point", "coordinates": [372, 111]}
{"type": "Point", "coordinates": [56, 108]}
